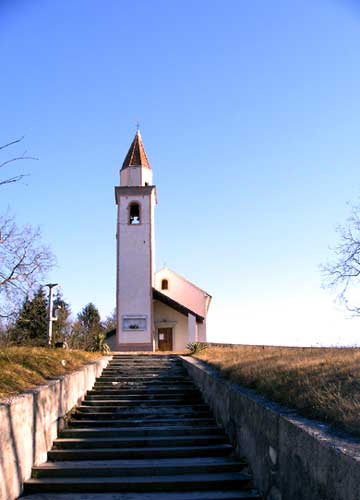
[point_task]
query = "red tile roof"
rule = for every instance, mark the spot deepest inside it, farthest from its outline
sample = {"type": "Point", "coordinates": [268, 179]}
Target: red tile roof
{"type": "Point", "coordinates": [136, 155]}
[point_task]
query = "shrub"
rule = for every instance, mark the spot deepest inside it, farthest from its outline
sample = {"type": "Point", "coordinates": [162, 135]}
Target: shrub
{"type": "Point", "coordinates": [196, 347]}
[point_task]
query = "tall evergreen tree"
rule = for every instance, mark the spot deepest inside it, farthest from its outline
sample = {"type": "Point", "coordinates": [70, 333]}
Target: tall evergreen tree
{"type": "Point", "coordinates": [62, 326]}
{"type": "Point", "coordinates": [31, 324]}
{"type": "Point", "coordinates": [88, 332]}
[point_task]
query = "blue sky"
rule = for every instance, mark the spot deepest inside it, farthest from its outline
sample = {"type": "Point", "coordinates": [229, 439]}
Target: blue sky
{"type": "Point", "coordinates": [249, 113]}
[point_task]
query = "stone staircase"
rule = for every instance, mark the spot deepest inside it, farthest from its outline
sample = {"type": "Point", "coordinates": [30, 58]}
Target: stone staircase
{"type": "Point", "coordinates": [142, 433]}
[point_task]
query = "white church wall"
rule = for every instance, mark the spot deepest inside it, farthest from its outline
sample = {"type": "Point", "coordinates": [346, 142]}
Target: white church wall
{"type": "Point", "coordinates": [182, 291]}
{"type": "Point", "coordinates": [201, 331]}
{"type": "Point", "coordinates": [192, 328]}
{"type": "Point", "coordinates": [130, 176]}
{"type": "Point", "coordinates": [146, 177]}
{"type": "Point", "coordinates": [153, 265]}
{"type": "Point", "coordinates": [136, 176]}
{"type": "Point", "coordinates": [166, 315]}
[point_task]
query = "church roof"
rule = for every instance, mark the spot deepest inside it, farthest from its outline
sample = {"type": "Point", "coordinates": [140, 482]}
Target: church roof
{"type": "Point", "coordinates": [165, 299]}
{"type": "Point", "coordinates": [183, 291]}
{"type": "Point", "coordinates": [136, 155]}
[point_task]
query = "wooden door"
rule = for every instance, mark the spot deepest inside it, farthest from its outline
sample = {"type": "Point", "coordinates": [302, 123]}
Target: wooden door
{"type": "Point", "coordinates": [165, 341]}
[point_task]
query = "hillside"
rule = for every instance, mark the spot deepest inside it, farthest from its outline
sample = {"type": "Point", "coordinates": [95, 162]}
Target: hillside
{"type": "Point", "coordinates": [23, 368]}
{"type": "Point", "coordinates": [321, 383]}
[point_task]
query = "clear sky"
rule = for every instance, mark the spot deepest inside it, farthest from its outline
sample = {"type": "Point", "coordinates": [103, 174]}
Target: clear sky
{"type": "Point", "coordinates": [250, 116]}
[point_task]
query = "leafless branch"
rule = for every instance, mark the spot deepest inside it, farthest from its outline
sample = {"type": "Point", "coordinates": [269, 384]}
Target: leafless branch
{"type": "Point", "coordinates": [16, 178]}
{"type": "Point", "coordinates": [343, 272]}
{"type": "Point", "coordinates": [17, 159]}
{"type": "Point", "coordinates": [11, 143]}
{"type": "Point", "coordinates": [5, 163]}
{"type": "Point", "coordinates": [24, 261]}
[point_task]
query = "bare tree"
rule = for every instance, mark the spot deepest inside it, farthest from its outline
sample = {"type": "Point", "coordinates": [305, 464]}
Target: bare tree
{"type": "Point", "coordinates": [24, 260]}
{"type": "Point", "coordinates": [343, 272]}
{"type": "Point", "coordinates": [7, 162]}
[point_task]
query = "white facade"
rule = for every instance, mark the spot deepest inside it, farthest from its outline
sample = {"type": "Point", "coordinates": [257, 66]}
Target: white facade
{"type": "Point", "coordinates": [136, 176]}
{"type": "Point", "coordinates": [150, 315]}
{"type": "Point", "coordinates": [167, 317]}
{"type": "Point", "coordinates": [183, 291]}
{"type": "Point", "coordinates": [135, 267]}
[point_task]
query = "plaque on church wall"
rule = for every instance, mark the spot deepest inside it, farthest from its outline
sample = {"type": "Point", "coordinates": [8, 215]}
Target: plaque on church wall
{"type": "Point", "coordinates": [134, 323]}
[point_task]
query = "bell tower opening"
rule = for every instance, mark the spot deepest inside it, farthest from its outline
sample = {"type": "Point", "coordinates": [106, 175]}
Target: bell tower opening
{"type": "Point", "coordinates": [134, 214]}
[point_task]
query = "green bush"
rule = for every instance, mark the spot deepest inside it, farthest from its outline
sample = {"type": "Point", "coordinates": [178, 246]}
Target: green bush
{"type": "Point", "coordinates": [196, 347]}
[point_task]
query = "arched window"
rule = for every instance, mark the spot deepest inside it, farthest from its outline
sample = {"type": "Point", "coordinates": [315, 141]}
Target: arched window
{"type": "Point", "coordinates": [134, 213]}
{"type": "Point", "coordinates": [164, 284]}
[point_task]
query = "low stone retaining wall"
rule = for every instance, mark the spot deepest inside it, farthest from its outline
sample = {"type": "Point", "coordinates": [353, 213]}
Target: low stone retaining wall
{"type": "Point", "coordinates": [29, 423]}
{"type": "Point", "coordinates": [292, 458]}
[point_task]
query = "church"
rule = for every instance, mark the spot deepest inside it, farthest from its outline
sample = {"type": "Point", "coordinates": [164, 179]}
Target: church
{"type": "Point", "coordinates": [155, 311]}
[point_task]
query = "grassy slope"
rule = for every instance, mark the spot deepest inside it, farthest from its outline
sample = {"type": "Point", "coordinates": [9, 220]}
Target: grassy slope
{"type": "Point", "coordinates": [321, 383]}
{"type": "Point", "coordinates": [22, 368]}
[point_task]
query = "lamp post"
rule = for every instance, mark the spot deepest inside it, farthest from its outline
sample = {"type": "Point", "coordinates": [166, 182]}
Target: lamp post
{"type": "Point", "coordinates": [50, 317]}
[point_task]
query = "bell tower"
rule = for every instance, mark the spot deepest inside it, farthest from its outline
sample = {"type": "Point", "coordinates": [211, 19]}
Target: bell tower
{"type": "Point", "coordinates": [136, 200]}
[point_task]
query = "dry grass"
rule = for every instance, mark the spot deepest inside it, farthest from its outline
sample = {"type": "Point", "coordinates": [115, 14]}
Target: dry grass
{"type": "Point", "coordinates": [22, 368]}
{"type": "Point", "coordinates": [321, 383]}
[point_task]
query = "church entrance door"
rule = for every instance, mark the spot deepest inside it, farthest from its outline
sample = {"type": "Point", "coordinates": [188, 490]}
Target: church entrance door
{"type": "Point", "coordinates": [165, 341]}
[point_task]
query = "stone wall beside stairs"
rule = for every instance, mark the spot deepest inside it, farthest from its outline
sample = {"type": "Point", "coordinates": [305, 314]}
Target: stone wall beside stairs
{"type": "Point", "coordinates": [292, 458]}
{"type": "Point", "coordinates": [29, 423]}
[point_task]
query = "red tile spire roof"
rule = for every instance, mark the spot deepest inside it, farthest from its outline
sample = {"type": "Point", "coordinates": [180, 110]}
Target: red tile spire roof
{"type": "Point", "coordinates": [136, 155]}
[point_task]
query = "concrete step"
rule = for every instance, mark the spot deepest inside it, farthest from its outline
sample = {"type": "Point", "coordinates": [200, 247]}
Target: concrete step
{"type": "Point", "coordinates": [169, 483]}
{"type": "Point", "coordinates": [151, 380]}
{"type": "Point", "coordinates": [119, 401]}
{"type": "Point", "coordinates": [148, 388]}
{"type": "Point", "coordinates": [142, 355]}
{"type": "Point", "coordinates": [98, 406]}
{"type": "Point", "coordinates": [126, 468]}
{"type": "Point", "coordinates": [143, 378]}
{"type": "Point", "coordinates": [141, 413]}
{"type": "Point", "coordinates": [146, 374]}
{"type": "Point", "coordinates": [148, 368]}
{"type": "Point", "coordinates": [178, 371]}
{"type": "Point", "coordinates": [139, 442]}
{"type": "Point", "coordinates": [218, 450]}
{"type": "Point", "coordinates": [141, 367]}
{"type": "Point", "coordinates": [136, 396]}
{"type": "Point", "coordinates": [143, 373]}
{"type": "Point", "coordinates": [182, 398]}
{"type": "Point", "coordinates": [184, 495]}
{"type": "Point", "coordinates": [146, 357]}
{"type": "Point", "coordinates": [150, 420]}
{"type": "Point", "coordinates": [140, 386]}
{"type": "Point", "coordinates": [86, 432]}
{"type": "Point", "coordinates": [139, 374]}
{"type": "Point", "coordinates": [133, 410]}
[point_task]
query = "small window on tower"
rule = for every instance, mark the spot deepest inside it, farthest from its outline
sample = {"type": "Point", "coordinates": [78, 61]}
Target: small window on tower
{"type": "Point", "coordinates": [164, 285]}
{"type": "Point", "coordinates": [134, 213]}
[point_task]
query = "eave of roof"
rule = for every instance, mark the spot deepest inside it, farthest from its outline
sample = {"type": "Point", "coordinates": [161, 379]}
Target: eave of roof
{"type": "Point", "coordinates": [175, 305]}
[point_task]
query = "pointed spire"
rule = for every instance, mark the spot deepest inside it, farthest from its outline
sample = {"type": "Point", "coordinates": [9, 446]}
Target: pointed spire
{"type": "Point", "coordinates": [136, 155]}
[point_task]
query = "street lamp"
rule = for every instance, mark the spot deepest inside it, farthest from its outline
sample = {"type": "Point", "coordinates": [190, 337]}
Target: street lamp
{"type": "Point", "coordinates": [50, 317]}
